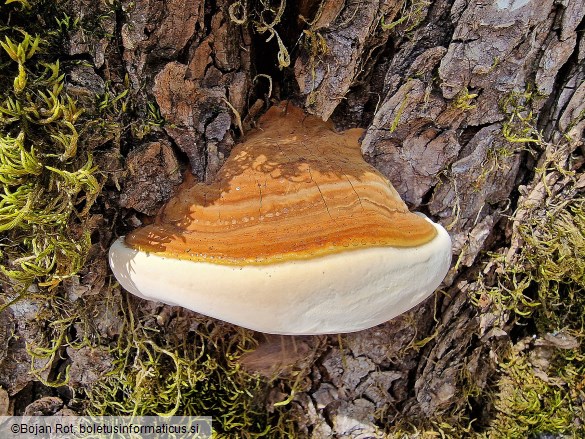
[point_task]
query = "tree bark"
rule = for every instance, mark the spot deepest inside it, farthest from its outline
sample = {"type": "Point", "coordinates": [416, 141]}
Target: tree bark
{"type": "Point", "coordinates": [438, 86]}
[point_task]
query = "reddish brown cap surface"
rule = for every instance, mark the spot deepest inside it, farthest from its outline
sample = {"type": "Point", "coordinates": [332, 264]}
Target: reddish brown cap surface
{"type": "Point", "coordinates": [294, 189]}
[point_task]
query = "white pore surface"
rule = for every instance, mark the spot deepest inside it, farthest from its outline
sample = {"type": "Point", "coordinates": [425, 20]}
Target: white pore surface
{"type": "Point", "coordinates": [338, 293]}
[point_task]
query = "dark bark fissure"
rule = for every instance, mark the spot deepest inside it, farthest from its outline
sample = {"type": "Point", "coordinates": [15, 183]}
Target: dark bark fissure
{"type": "Point", "coordinates": [573, 68]}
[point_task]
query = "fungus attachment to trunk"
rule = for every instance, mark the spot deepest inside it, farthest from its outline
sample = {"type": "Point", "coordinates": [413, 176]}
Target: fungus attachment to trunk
{"type": "Point", "coordinates": [296, 235]}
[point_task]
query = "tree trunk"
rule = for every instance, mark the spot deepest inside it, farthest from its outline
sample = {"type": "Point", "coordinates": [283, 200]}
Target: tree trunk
{"type": "Point", "coordinates": [474, 112]}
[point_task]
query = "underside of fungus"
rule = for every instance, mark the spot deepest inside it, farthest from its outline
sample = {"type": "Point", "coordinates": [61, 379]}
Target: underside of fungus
{"type": "Point", "coordinates": [297, 235]}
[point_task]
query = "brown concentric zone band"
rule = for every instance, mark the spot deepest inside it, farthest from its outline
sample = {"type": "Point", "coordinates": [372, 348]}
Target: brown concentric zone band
{"type": "Point", "coordinates": [294, 189]}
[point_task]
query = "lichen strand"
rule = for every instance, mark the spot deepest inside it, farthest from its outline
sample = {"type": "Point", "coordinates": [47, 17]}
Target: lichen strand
{"type": "Point", "coordinates": [294, 189]}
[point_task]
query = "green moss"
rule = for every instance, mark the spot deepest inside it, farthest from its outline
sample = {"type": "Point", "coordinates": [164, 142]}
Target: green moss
{"type": "Point", "coordinates": [463, 100]}
{"type": "Point", "coordinates": [193, 373]}
{"type": "Point", "coordinates": [56, 318]}
{"type": "Point", "coordinates": [520, 123]}
{"type": "Point", "coordinates": [49, 185]}
{"type": "Point", "coordinates": [48, 180]}
{"type": "Point", "coordinates": [555, 258]}
{"type": "Point", "coordinates": [534, 285]}
{"type": "Point", "coordinates": [542, 284]}
{"type": "Point", "coordinates": [527, 404]}
{"type": "Point", "coordinates": [547, 278]}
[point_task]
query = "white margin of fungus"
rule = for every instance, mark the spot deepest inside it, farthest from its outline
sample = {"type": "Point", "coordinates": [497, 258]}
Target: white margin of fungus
{"type": "Point", "coordinates": [338, 293]}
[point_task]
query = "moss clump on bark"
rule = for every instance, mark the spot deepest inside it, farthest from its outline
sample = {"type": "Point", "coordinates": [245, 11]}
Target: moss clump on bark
{"type": "Point", "coordinates": [531, 401]}
{"type": "Point", "coordinates": [540, 389]}
{"type": "Point", "coordinates": [193, 373]}
{"type": "Point", "coordinates": [540, 381]}
{"type": "Point", "coordinates": [48, 179]}
{"type": "Point", "coordinates": [530, 294]}
{"type": "Point", "coordinates": [538, 283]}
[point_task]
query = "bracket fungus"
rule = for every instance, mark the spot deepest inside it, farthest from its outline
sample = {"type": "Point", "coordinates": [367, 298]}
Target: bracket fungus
{"type": "Point", "coordinates": [296, 235]}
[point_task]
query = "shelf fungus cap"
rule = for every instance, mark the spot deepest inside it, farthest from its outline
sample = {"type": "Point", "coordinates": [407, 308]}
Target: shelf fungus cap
{"type": "Point", "coordinates": [297, 235]}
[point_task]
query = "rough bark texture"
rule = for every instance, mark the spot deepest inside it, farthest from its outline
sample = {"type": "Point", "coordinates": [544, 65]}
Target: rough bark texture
{"type": "Point", "coordinates": [430, 91]}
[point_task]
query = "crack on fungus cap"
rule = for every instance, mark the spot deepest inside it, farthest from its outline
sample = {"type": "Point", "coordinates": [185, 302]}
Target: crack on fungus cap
{"type": "Point", "coordinates": [295, 225]}
{"type": "Point", "coordinates": [294, 189]}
